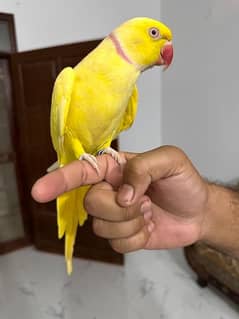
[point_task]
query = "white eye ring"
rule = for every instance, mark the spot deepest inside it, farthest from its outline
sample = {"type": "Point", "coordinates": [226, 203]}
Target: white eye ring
{"type": "Point", "coordinates": [154, 33]}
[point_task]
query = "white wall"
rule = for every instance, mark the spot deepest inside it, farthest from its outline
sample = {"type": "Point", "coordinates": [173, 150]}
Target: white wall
{"type": "Point", "coordinates": [47, 23]}
{"type": "Point", "coordinates": [200, 101]}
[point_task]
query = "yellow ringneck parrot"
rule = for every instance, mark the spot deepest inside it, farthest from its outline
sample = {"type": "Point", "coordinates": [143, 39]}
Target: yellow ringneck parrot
{"type": "Point", "coordinates": [96, 100]}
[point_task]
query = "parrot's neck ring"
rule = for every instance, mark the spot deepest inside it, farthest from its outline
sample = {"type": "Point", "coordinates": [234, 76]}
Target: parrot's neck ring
{"type": "Point", "coordinates": [119, 48]}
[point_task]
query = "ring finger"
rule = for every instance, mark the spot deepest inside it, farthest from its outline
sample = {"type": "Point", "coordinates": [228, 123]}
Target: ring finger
{"type": "Point", "coordinates": [113, 230]}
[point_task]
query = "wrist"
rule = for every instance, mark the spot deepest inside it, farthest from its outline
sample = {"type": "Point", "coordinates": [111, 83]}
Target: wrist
{"type": "Point", "coordinates": [220, 227]}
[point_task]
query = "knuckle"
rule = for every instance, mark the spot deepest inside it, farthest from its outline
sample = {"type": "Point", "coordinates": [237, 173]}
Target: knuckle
{"type": "Point", "coordinates": [133, 227]}
{"type": "Point", "coordinates": [170, 150]}
{"type": "Point", "coordinates": [133, 243]}
{"type": "Point", "coordinates": [91, 200]}
{"type": "Point", "coordinates": [97, 225]}
{"type": "Point", "coordinates": [137, 225]}
{"type": "Point", "coordinates": [174, 158]}
{"type": "Point", "coordinates": [129, 212]}
{"type": "Point", "coordinates": [141, 222]}
{"type": "Point", "coordinates": [140, 239]}
{"type": "Point", "coordinates": [137, 166]}
{"type": "Point", "coordinates": [144, 237]}
{"type": "Point", "coordinates": [118, 245]}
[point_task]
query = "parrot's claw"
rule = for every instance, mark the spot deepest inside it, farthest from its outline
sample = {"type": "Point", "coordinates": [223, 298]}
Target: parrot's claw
{"type": "Point", "coordinates": [116, 155]}
{"type": "Point", "coordinates": [53, 167]}
{"type": "Point", "coordinates": [92, 160]}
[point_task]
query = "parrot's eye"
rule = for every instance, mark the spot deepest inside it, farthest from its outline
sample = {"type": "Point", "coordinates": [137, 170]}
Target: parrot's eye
{"type": "Point", "coordinates": [154, 33]}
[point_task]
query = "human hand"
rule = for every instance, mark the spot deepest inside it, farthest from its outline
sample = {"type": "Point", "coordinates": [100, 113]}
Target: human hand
{"type": "Point", "coordinates": [167, 209]}
{"type": "Point", "coordinates": [166, 189]}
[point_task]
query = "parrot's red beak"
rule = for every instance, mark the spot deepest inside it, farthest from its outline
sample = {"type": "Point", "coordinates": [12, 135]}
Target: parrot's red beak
{"type": "Point", "coordinates": [166, 55]}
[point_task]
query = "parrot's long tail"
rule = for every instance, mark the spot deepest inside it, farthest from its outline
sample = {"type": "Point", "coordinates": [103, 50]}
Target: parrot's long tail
{"type": "Point", "coordinates": [70, 213]}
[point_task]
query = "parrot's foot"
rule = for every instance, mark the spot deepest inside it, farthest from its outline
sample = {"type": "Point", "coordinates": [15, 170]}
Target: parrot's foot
{"type": "Point", "coordinates": [116, 155]}
{"type": "Point", "coordinates": [92, 160]}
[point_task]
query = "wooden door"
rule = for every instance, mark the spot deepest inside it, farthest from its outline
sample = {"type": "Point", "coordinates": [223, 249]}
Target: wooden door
{"type": "Point", "coordinates": [34, 73]}
{"type": "Point", "coordinates": [12, 234]}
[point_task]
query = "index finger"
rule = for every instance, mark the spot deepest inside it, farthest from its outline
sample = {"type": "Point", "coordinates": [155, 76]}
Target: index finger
{"type": "Point", "coordinates": [76, 174]}
{"type": "Point", "coordinates": [147, 168]}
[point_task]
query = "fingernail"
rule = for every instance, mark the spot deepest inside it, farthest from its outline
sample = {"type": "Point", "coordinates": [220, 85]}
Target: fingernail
{"type": "Point", "coordinates": [126, 193]}
{"type": "Point", "coordinates": [145, 206]}
{"type": "Point", "coordinates": [151, 227]}
{"type": "Point", "coordinates": [148, 215]}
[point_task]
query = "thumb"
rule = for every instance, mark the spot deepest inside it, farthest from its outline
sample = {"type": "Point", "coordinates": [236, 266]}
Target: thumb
{"type": "Point", "coordinates": [146, 168]}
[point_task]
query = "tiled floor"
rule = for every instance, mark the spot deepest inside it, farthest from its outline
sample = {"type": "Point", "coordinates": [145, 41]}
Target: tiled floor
{"type": "Point", "coordinates": [34, 285]}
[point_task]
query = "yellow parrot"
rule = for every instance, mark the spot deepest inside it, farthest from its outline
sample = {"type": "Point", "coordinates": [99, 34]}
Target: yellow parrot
{"type": "Point", "coordinates": [96, 100]}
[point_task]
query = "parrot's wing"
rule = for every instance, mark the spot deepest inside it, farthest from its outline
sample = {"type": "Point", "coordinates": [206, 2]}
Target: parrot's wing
{"type": "Point", "coordinates": [130, 112]}
{"type": "Point", "coordinates": [61, 99]}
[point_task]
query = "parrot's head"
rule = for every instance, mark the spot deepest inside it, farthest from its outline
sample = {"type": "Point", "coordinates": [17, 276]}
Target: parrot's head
{"type": "Point", "coordinates": [144, 42]}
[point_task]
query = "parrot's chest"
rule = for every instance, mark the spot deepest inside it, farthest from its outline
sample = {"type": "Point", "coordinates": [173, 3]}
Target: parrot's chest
{"type": "Point", "coordinates": [96, 116]}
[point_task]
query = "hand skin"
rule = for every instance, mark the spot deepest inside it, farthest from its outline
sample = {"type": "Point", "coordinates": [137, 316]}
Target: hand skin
{"type": "Point", "coordinates": [157, 200]}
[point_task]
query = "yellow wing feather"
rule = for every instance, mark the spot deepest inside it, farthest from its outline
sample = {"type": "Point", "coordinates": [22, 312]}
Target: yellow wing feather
{"type": "Point", "coordinates": [61, 99]}
{"type": "Point", "coordinates": [130, 113]}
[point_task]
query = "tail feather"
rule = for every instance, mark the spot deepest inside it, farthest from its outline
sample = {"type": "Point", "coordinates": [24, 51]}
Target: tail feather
{"type": "Point", "coordinates": [69, 248]}
{"type": "Point", "coordinates": [65, 212]}
{"type": "Point", "coordinates": [82, 214]}
{"type": "Point", "coordinates": [70, 213]}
